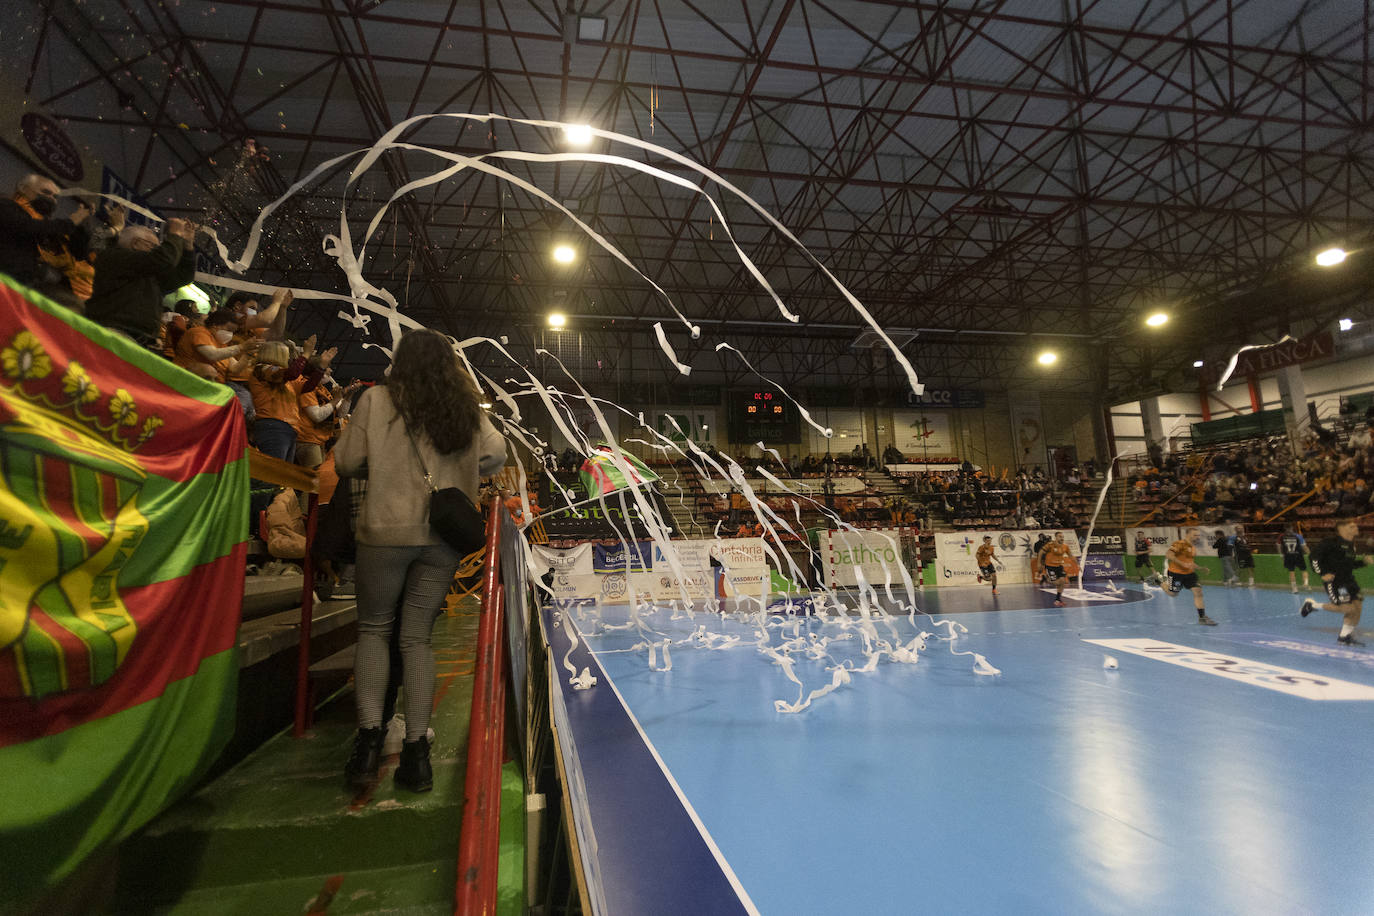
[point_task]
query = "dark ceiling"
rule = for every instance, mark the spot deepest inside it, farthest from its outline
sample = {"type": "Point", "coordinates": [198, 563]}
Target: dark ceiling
{"type": "Point", "coordinates": [998, 177]}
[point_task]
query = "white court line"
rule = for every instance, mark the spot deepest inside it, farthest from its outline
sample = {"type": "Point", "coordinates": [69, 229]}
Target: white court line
{"type": "Point", "coordinates": [682, 797]}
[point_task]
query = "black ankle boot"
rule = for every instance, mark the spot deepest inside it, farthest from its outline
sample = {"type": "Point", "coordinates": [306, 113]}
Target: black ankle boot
{"type": "Point", "coordinates": [361, 769]}
{"type": "Point", "coordinates": [414, 772]}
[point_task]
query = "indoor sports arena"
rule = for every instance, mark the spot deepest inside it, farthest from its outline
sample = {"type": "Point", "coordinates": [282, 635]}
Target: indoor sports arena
{"type": "Point", "coordinates": [624, 458]}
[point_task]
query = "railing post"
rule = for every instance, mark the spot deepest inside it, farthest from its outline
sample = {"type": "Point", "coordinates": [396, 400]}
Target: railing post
{"type": "Point", "coordinates": [479, 839]}
{"type": "Point", "coordinates": [303, 705]}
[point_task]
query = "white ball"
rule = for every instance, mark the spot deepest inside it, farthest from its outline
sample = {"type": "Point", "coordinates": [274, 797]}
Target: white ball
{"type": "Point", "coordinates": [1109, 663]}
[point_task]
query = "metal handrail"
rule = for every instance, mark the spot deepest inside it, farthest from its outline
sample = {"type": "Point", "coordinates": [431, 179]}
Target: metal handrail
{"type": "Point", "coordinates": [479, 839]}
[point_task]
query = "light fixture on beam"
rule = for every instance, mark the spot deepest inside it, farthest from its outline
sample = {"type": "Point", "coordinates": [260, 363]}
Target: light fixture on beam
{"type": "Point", "coordinates": [1157, 319]}
{"type": "Point", "coordinates": [1047, 358]}
{"type": "Point", "coordinates": [1345, 324]}
{"type": "Point", "coordinates": [1331, 257]}
{"type": "Point", "coordinates": [1197, 364]}
{"type": "Point", "coordinates": [557, 320]}
{"type": "Point", "coordinates": [578, 134]}
{"type": "Point", "coordinates": [564, 254]}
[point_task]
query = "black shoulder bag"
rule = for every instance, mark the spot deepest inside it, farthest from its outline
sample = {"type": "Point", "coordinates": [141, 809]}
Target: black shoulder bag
{"type": "Point", "coordinates": [452, 516]}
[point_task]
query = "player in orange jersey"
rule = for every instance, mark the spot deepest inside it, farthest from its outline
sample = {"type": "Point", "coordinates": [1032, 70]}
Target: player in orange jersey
{"type": "Point", "coordinates": [987, 562]}
{"type": "Point", "coordinates": [1053, 556]}
{"type": "Point", "coordinates": [1183, 574]}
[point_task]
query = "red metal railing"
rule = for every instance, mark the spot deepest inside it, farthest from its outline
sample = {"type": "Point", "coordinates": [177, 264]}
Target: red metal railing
{"type": "Point", "coordinates": [479, 841]}
{"type": "Point", "coordinates": [305, 709]}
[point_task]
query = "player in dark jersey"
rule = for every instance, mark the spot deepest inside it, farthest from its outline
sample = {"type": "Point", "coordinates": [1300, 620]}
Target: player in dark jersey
{"type": "Point", "coordinates": [1335, 561]}
{"type": "Point", "coordinates": [1293, 549]}
{"type": "Point", "coordinates": [1037, 568]}
{"type": "Point", "coordinates": [1142, 556]}
{"type": "Point", "coordinates": [1245, 558]}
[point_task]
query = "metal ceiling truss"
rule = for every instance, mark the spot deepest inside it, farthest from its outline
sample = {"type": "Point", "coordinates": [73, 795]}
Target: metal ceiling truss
{"type": "Point", "coordinates": [986, 168]}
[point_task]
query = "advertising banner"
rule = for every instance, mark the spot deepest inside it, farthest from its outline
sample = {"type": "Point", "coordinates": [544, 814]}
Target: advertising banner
{"type": "Point", "coordinates": [615, 516]}
{"type": "Point", "coordinates": [955, 553]}
{"type": "Point", "coordinates": [1162, 537]}
{"type": "Point", "coordinates": [879, 553]}
{"type": "Point", "coordinates": [806, 486]}
{"type": "Point", "coordinates": [1103, 556]}
{"type": "Point", "coordinates": [639, 556]}
{"type": "Point", "coordinates": [920, 432]}
{"type": "Point", "coordinates": [572, 561]}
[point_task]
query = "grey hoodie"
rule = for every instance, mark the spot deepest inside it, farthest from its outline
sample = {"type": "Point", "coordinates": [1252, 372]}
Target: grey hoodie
{"type": "Point", "coordinates": [375, 444]}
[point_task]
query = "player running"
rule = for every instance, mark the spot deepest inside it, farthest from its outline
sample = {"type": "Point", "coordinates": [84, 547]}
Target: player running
{"type": "Point", "coordinates": [1293, 549]}
{"type": "Point", "coordinates": [987, 562]}
{"type": "Point", "coordinates": [1183, 574]}
{"type": "Point", "coordinates": [1142, 556]}
{"type": "Point", "coordinates": [1052, 558]}
{"type": "Point", "coordinates": [1335, 561]}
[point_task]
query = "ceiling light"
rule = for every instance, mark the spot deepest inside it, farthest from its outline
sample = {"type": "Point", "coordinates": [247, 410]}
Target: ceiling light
{"type": "Point", "coordinates": [1346, 324]}
{"type": "Point", "coordinates": [1331, 257]}
{"type": "Point", "coordinates": [1197, 364]}
{"type": "Point", "coordinates": [564, 254]}
{"type": "Point", "coordinates": [1047, 358]}
{"type": "Point", "coordinates": [557, 319]}
{"type": "Point", "coordinates": [1158, 319]}
{"type": "Point", "coordinates": [578, 134]}
{"type": "Point", "coordinates": [485, 405]}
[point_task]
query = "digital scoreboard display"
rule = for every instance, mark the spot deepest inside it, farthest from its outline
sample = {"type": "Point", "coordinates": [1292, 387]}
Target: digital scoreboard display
{"type": "Point", "coordinates": [763, 416]}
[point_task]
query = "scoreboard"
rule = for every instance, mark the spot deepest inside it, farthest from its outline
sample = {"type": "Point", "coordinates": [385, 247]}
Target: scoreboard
{"type": "Point", "coordinates": [763, 416]}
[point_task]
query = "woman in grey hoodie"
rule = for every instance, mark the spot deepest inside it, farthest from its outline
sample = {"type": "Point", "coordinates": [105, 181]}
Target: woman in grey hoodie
{"type": "Point", "coordinates": [425, 418]}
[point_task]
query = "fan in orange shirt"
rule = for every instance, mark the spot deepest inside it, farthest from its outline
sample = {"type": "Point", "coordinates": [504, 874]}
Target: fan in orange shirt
{"type": "Point", "coordinates": [1183, 573]}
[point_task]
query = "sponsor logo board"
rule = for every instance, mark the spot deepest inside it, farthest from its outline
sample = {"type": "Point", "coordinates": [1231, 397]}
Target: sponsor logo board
{"type": "Point", "coordinates": [956, 554]}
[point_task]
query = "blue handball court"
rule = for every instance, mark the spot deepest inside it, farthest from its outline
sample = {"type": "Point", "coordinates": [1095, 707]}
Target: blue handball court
{"type": "Point", "coordinates": [1124, 760]}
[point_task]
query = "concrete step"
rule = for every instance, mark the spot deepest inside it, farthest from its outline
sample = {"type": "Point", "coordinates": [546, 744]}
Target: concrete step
{"type": "Point", "coordinates": [282, 818]}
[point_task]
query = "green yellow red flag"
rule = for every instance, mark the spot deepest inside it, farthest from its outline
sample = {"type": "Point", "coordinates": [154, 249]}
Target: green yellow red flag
{"type": "Point", "coordinates": [123, 532]}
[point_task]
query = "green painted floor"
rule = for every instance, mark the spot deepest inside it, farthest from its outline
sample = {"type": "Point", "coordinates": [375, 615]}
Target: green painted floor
{"type": "Point", "coordinates": [279, 833]}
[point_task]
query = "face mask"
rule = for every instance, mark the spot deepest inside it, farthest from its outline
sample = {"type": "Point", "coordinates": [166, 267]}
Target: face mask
{"type": "Point", "coordinates": [44, 205]}
{"type": "Point", "coordinates": [224, 336]}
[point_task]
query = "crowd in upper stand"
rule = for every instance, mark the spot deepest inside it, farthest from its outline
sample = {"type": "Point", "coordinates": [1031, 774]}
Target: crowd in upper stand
{"type": "Point", "coordinates": [1254, 480]}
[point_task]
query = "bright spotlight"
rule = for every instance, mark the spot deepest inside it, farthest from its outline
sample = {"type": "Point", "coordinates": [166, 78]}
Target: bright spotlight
{"type": "Point", "coordinates": [1331, 257]}
{"type": "Point", "coordinates": [557, 319]}
{"type": "Point", "coordinates": [578, 134]}
{"type": "Point", "coordinates": [1047, 358]}
{"type": "Point", "coordinates": [485, 405]}
{"type": "Point", "coordinates": [1158, 319]}
{"type": "Point", "coordinates": [1197, 364]}
{"type": "Point", "coordinates": [1346, 324]}
{"type": "Point", "coordinates": [564, 254]}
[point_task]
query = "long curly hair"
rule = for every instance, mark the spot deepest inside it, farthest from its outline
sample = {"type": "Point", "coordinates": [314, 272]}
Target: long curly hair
{"type": "Point", "coordinates": [433, 392]}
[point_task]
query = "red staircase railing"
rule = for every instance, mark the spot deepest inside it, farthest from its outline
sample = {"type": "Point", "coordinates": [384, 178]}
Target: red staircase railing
{"type": "Point", "coordinates": [479, 840]}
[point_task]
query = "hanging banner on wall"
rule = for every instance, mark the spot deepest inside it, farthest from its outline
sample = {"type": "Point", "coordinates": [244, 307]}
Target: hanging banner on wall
{"type": "Point", "coordinates": [1028, 431]}
{"type": "Point", "coordinates": [922, 433]}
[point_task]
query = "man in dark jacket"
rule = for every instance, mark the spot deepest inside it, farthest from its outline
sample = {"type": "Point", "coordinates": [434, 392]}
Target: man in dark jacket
{"type": "Point", "coordinates": [1335, 560]}
{"type": "Point", "coordinates": [133, 277]}
{"type": "Point", "coordinates": [27, 221]}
